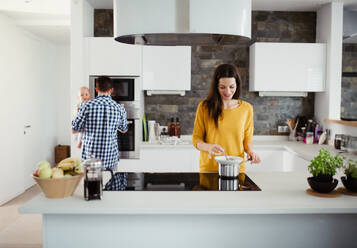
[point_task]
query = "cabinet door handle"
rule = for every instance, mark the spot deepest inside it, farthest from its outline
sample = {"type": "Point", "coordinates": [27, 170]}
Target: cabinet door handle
{"type": "Point", "coordinates": [27, 126]}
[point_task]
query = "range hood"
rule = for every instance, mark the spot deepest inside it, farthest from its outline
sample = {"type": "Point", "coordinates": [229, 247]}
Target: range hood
{"type": "Point", "coordinates": [182, 22]}
{"type": "Point", "coordinates": [349, 26]}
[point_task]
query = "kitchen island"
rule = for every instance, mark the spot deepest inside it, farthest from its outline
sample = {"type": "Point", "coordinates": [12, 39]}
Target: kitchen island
{"type": "Point", "coordinates": [281, 215]}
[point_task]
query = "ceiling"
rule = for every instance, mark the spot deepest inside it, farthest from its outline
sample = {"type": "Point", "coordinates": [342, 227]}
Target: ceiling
{"type": "Point", "coordinates": [298, 5]}
{"type": "Point", "coordinates": [269, 5]}
{"type": "Point", "coordinates": [50, 19]}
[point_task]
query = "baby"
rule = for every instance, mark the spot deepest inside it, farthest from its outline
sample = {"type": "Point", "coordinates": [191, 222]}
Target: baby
{"type": "Point", "coordinates": [83, 96]}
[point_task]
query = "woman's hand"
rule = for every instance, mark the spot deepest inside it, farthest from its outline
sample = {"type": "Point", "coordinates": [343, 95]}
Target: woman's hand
{"type": "Point", "coordinates": [253, 157]}
{"type": "Point", "coordinates": [214, 149]}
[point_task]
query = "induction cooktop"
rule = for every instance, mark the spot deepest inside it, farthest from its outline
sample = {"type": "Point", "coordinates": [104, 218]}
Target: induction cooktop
{"type": "Point", "coordinates": [187, 182]}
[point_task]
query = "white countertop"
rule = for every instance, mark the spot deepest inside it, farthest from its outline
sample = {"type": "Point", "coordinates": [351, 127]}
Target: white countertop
{"type": "Point", "coordinates": [282, 193]}
{"type": "Point", "coordinates": [307, 152]}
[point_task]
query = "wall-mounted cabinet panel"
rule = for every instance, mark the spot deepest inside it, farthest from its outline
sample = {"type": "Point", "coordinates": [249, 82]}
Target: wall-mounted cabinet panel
{"type": "Point", "coordinates": [287, 67]}
{"type": "Point", "coordinates": [109, 57]}
{"type": "Point", "coordinates": [167, 68]}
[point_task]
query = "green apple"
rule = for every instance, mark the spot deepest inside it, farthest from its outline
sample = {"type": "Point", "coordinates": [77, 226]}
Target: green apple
{"type": "Point", "coordinates": [45, 173]}
{"type": "Point", "coordinates": [43, 164]}
{"type": "Point", "coordinates": [67, 175]}
{"type": "Point", "coordinates": [57, 173]}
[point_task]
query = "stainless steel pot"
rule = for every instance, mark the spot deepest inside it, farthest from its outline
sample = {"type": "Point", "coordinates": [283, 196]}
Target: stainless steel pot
{"type": "Point", "coordinates": [228, 168]}
{"type": "Point", "coordinates": [228, 184]}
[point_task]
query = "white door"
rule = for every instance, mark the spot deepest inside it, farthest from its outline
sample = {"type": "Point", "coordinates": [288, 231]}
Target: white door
{"type": "Point", "coordinates": [32, 116]}
{"type": "Point", "coordinates": [11, 126]}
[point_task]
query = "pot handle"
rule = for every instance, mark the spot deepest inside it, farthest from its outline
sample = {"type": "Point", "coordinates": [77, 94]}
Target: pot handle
{"type": "Point", "coordinates": [111, 173]}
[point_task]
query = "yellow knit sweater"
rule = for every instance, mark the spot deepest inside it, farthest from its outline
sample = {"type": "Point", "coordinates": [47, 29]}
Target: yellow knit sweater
{"type": "Point", "coordinates": [234, 132]}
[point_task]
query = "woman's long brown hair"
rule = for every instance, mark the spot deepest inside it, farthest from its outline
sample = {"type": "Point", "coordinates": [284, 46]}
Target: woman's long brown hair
{"type": "Point", "coordinates": [213, 102]}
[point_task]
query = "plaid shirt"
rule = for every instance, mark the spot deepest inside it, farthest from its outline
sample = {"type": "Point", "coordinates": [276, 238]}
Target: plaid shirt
{"type": "Point", "coordinates": [99, 120]}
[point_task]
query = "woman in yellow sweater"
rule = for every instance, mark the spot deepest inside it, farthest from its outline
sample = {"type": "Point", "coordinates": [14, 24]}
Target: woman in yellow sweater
{"type": "Point", "coordinates": [223, 121]}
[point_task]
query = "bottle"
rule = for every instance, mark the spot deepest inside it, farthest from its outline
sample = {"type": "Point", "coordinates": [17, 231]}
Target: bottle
{"type": "Point", "coordinates": [172, 127]}
{"type": "Point", "coordinates": [151, 129]}
{"type": "Point", "coordinates": [178, 128]}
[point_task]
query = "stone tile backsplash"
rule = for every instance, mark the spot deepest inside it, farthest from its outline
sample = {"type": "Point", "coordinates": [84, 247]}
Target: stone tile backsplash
{"type": "Point", "coordinates": [268, 111]}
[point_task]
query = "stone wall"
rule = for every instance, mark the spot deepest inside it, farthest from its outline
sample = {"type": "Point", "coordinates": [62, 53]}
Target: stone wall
{"type": "Point", "coordinates": [103, 23]}
{"type": "Point", "coordinates": [349, 81]}
{"type": "Point", "coordinates": [268, 111]}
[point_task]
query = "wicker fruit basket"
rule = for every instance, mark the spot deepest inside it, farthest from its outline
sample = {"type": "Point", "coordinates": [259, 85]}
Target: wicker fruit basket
{"type": "Point", "coordinates": [58, 187]}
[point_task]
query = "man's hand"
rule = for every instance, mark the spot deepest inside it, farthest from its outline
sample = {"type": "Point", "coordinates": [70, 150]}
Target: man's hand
{"type": "Point", "coordinates": [74, 131]}
{"type": "Point", "coordinates": [123, 131]}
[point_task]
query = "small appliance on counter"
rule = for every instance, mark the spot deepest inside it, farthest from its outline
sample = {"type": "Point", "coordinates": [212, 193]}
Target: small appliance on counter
{"type": "Point", "coordinates": [93, 181]}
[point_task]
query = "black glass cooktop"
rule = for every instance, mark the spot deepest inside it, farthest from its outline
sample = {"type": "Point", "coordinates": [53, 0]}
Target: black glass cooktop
{"type": "Point", "coordinates": [188, 182]}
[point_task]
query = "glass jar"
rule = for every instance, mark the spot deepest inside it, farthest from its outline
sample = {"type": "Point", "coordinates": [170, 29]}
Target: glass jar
{"type": "Point", "coordinates": [338, 138]}
{"type": "Point", "coordinates": [344, 142]}
{"type": "Point", "coordinates": [352, 144]}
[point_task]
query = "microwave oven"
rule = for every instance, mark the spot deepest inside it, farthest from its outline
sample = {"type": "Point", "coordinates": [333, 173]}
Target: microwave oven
{"type": "Point", "coordinates": [126, 92]}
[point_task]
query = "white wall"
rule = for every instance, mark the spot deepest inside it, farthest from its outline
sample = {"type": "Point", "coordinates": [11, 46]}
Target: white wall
{"type": "Point", "coordinates": [329, 27]}
{"type": "Point", "coordinates": [28, 85]}
{"type": "Point", "coordinates": [63, 95]}
{"type": "Point", "coordinates": [81, 14]}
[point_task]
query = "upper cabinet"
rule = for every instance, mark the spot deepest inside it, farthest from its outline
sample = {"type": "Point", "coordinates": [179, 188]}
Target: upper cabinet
{"type": "Point", "coordinates": [105, 56]}
{"type": "Point", "coordinates": [287, 68]}
{"type": "Point", "coordinates": [166, 69]}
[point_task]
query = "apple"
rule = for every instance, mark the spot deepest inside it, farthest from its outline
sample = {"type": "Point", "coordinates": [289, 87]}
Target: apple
{"type": "Point", "coordinates": [36, 172]}
{"type": "Point", "coordinates": [45, 173]}
{"type": "Point", "coordinates": [57, 173]}
{"type": "Point", "coordinates": [43, 164]}
{"type": "Point", "coordinates": [67, 175]}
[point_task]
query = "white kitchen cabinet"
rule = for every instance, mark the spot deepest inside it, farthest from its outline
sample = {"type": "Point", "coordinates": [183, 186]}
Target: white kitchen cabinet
{"type": "Point", "coordinates": [166, 68]}
{"type": "Point", "coordinates": [109, 57]}
{"type": "Point", "coordinates": [163, 159]}
{"type": "Point", "coordinates": [287, 67]}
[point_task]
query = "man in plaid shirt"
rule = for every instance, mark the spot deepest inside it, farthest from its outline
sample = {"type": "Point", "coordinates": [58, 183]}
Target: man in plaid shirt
{"type": "Point", "coordinates": [99, 120]}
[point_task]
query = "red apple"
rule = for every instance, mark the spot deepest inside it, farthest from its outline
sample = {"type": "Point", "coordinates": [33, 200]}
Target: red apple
{"type": "Point", "coordinates": [37, 172]}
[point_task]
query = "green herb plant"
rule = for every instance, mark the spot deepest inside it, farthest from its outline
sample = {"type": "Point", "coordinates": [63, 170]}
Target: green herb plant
{"type": "Point", "coordinates": [351, 168]}
{"type": "Point", "coordinates": [325, 163]}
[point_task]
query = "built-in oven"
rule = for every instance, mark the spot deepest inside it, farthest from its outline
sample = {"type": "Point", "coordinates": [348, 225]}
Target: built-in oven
{"type": "Point", "coordinates": [126, 92]}
{"type": "Point", "coordinates": [129, 142]}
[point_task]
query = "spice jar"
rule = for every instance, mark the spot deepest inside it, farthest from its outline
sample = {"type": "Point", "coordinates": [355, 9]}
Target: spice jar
{"type": "Point", "coordinates": [309, 138]}
{"type": "Point", "coordinates": [338, 138]}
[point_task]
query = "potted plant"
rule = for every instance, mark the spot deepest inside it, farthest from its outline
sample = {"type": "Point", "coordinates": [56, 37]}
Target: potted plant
{"type": "Point", "coordinates": [350, 180]}
{"type": "Point", "coordinates": [323, 167]}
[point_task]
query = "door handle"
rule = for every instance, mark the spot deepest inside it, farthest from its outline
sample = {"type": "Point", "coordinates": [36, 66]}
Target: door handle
{"type": "Point", "coordinates": [25, 127]}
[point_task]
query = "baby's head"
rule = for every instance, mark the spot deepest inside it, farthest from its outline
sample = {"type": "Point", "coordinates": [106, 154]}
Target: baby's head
{"type": "Point", "coordinates": [83, 94]}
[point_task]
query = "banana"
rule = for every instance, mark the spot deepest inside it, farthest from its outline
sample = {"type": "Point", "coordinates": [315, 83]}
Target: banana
{"type": "Point", "coordinates": [78, 169]}
{"type": "Point", "coordinates": [69, 163]}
